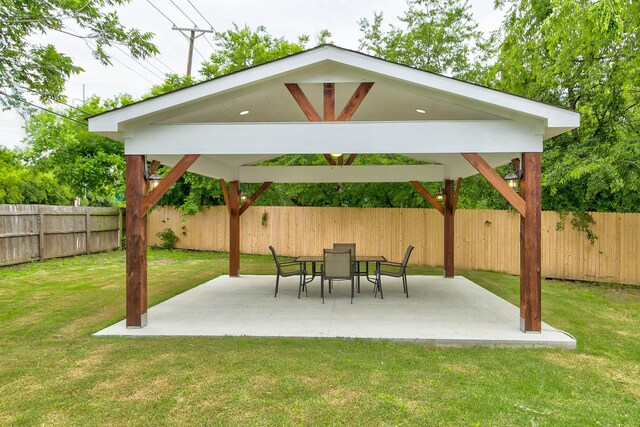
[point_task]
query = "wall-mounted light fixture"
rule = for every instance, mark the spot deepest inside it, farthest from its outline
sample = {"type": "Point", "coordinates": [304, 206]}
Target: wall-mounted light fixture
{"type": "Point", "coordinates": [440, 194]}
{"type": "Point", "coordinates": [514, 175]}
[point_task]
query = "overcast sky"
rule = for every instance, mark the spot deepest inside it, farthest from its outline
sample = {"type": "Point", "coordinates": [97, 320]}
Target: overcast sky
{"type": "Point", "coordinates": [288, 18]}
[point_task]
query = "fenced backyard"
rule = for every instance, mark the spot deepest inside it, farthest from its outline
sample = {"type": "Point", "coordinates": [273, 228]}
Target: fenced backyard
{"type": "Point", "coordinates": [38, 232]}
{"type": "Point", "coordinates": [484, 239]}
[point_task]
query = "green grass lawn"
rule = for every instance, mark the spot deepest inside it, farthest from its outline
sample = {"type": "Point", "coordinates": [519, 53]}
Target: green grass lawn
{"type": "Point", "coordinates": [53, 372]}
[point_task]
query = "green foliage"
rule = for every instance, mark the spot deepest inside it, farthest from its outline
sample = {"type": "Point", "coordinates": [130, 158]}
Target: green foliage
{"type": "Point", "coordinates": [42, 69]}
{"type": "Point", "coordinates": [438, 36]}
{"type": "Point", "coordinates": [90, 165]}
{"type": "Point", "coordinates": [241, 48]}
{"type": "Point", "coordinates": [21, 184]}
{"type": "Point", "coordinates": [168, 238]}
{"type": "Point", "coordinates": [585, 56]}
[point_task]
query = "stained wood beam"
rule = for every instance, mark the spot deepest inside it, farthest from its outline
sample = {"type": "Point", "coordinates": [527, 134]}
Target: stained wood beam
{"type": "Point", "coordinates": [154, 167]}
{"type": "Point", "coordinates": [496, 181]}
{"type": "Point", "coordinates": [455, 199]}
{"type": "Point", "coordinates": [351, 158]}
{"type": "Point", "coordinates": [225, 194]}
{"type": "Point", "coordinates": [303, 102]}
{"type": "Point", "coordinates": [354, 102]}
{"type": "Point", "coordinates": [136, 238]}
{"type": "Point", "coordinates": [234, 229]}
{"type": "Point", "coordinates": [425, 193]}
{"type": "Point", "coordinates": [341, 160]}
{"type": "Point", "coordinates": [329, 96]}
{"type": "Point", "coordinates": [174, 174]}
{"type": "Point", "coordinates": [329, 159]}
{"type": "Point", "coordinates": [254, 197]}
{"type": "Point", "coordinates": [530, 245]}
{"type": "Point", "coordinates": [449, 228]}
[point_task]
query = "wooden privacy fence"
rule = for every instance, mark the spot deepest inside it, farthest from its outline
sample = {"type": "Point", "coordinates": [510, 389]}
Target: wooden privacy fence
{"type": "Point", "coordinates": [485, 239]}
{"type": "Point", "coordinates": [36, 232]}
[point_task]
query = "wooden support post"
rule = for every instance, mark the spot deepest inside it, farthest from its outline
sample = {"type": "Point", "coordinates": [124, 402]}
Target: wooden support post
{"type": "Point", "coordinates": [234, 229]}
{"type": "Point", "coordinates": [530, 245]}
{"type": "Point", "coordinates": [136, 243]}
{"type": "Point", "coordinates": [449, 242]}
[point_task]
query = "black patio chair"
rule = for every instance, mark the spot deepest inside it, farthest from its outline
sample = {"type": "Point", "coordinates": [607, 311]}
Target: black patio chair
{"type": "Point", "coordinates": [337, 265]}
{"type": "Point", "coordinates": [393, 269]}
{"type": "Point", "coordinates": [285, 269]}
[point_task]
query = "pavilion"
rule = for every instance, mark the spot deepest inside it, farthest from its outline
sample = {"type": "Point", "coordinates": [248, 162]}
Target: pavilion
{"type": "Point", "coordinates": [332, 100]}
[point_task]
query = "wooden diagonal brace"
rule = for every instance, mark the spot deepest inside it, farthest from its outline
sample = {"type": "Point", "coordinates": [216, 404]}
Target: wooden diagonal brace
{"type": "Point", "coordinates": [434, 202]}
{"type": "Point", "coordinates": [154, 167]}
{"type": "Point", "coordinates": [455, 199]}
{"type": "Point", "coordinates": [496, 181]}
{"type": "Point", "coordinates": [253, 197]}
{"type": "Point", "coordinates": [350, 160]}
{"type": "Point", "coordinates": [225, 194]}
{"type": "Point", "coordinates": [303, 102]}
{"type": "Point", "coordinates": [354, 102]}
{"type": "Point", "coordinates": [174, 174]}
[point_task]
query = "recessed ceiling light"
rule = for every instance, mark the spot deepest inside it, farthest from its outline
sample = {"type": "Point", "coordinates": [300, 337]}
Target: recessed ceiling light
{"type": "Point", "coordinates": [244, 113]}
{"type": "Point", "coordinates": [421, 111]}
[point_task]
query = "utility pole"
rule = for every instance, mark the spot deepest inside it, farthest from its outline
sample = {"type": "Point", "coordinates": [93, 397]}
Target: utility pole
{"type": "Point", "coordinates": [191, 37]}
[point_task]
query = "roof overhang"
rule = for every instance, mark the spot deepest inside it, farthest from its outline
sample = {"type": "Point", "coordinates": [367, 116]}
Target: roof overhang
{"type": "Point", "coordinates": [203, 119]}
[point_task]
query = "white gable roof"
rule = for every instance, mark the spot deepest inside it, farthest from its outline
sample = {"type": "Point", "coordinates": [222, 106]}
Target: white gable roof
{"type": "Point", "coordinates": [460, 117]}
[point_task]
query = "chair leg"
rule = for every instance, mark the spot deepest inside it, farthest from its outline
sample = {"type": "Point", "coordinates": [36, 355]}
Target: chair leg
{"type": "Point", "coordinates": [380, 287]}
{"type": "Point", "coordinates": [300, 285]}
{"type": "Point", "coordinates": [352, 289]}
{"type": "Point", "coordinates": [304, 283]}
{"type": "Point", "coordinates": [406, 286]}
{"type": "Point", "coordinates": [322, 289]}
{"type": "Point", "coordinates": [277, 281]}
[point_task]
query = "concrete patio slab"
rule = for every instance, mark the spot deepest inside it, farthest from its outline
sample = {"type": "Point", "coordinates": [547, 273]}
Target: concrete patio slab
{"type": "Point", "coordinates": [448, 312]}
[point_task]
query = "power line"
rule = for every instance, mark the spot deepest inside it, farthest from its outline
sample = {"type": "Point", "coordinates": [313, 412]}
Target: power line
{"type": "Point", "coordinates": [93, 47]}
{"type": "Point", "coordinates": [205, 20]}
{"type": "Point", "coordinates": [47, 110]}
{"type": "Point", "coordinates": [167, 67]}
{"type": "Point", "coordinates": [182, 11]}
{"type": "Point", "coordinates": [161, 13]}
{"type": "Point", "coordinates": [140, 63]}
{"type": "Point", "coordinates": [203, 17]}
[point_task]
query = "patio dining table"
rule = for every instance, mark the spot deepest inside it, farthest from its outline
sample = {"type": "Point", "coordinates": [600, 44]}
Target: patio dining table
{"type": "Point", "coordinates": [315, 259]}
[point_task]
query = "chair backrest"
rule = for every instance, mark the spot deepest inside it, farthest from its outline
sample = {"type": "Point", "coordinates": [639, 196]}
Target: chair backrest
{"type": "Point", "coordinates": [338, 264]}
{"type": "Point", "coordinates": [407, 254]}
{"type": "Point", "coordinates": [275, 257]}
{"type": "Point", "coordinates": [346, 246]}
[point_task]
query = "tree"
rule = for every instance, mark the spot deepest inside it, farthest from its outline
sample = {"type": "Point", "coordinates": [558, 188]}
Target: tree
{"type": "Point", "coordinates": [585, 56]}
{"type": "Point", "coordinates": [41, 68]}
{"type": "Point", "coordinates": [91, 166]}
{"type": "Point", "coordinates": [439, 36]}
{"type": "Point", "coordinates": [20, 184]}
{"type": "Point", "coordinates": [241, 48]}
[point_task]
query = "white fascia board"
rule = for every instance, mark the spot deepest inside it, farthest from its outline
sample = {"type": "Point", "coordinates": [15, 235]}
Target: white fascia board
{"type": "Point", "coordinates": [351, 173]}
{"type": "Point", "coordinates": [555, 117]}
{"type": "Point", "coordinates": [482, 136]}
{"type": "Point", "coordinates": [111, 121]}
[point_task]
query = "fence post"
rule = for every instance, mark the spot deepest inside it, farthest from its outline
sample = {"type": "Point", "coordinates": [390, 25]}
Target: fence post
{"type": "Point", "coordinates": [119, 229]}
{"type": "Point", "coordinates": [87, 231]}
{"type": "Point", "coordinates": [41, 233]}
